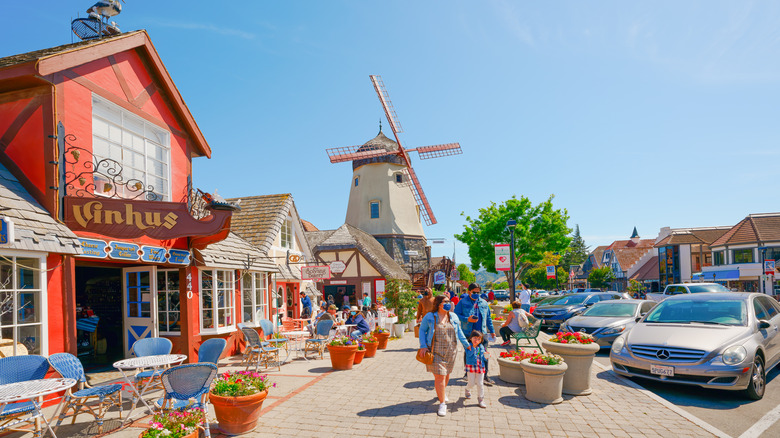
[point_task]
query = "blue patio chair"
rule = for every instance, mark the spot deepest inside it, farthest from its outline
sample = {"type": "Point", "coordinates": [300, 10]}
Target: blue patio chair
{"type": "Point", "coordinates": [268, 330]}
{"type": "Point", "coordinates": [321, 337]}
{"type": "Point", "coordinates": [69, 367]}
{"type": "Point", "coordinates": [187, 382]}
{"type": "Point", "coordinates": [15, 369]}
{"type": "Point", "coordinates": [259, 351]}
{"type": "Point", "coordinates": [211, 350]}
{"type": "Point", "coordinates": [151, 347]}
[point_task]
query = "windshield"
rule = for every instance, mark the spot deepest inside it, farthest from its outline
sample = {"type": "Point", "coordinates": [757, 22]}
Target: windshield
{"type": "Point", "coordinates": [568, 299]}
{"type": "Point", "coordinates": [611, 309]}
{"type": "Point", "coordinates": [713, 311]}
{"type": "Point", "coordinates": [707, 288]}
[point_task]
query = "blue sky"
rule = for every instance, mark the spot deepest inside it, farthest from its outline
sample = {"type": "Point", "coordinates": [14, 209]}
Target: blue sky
{"type": "Point", "coordinates": [647, 114]}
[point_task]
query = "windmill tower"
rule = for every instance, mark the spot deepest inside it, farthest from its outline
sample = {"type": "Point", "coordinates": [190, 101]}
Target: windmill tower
{"type": "Point", "coordinates": [385, 198]}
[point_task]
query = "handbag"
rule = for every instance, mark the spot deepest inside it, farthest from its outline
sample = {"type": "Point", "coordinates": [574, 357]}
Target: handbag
{"type": "Point", "coordinates": [427, 358]}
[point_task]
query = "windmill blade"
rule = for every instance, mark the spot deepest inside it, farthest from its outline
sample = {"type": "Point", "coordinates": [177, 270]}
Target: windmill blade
{"type": "Point", "coordinates": [439, 150]}
{"type": "Point", "coordinates": [384, 98]}
{"type": "Point", "coordinates": [350, 153]}
{"type": "Point", "coordinates": [419, 196]}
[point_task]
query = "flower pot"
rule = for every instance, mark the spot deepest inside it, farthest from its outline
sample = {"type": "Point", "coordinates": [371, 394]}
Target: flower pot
{"type": "Point", "coordinates": [398, 330]}
{"type": "Point", "coordinates": [342, 356]}
{"type": "Point", "coordinates": [579, 358]}
{"type": "Point", "coordinates": [497, 309]}
{"type": "Point", "coordinates": [194, 434]}
{"type": "Point", "coordinates": [497, 325]}
{"type": "Point", "coordinates": [359, 354]}
{"type": "Point", "coordinates": [510, 371]}
{"type": "Point", "coordinates": [237, 415]}
{"type": "Point", "coordinates": [410, 325]}
{"type": "Point", "coordinates": [382, 338]}
{"type": "Point", "coordinates": [543, 383]}
{"type": "Point", "coordinates": [370, 348]}
{"type": "Point", "coordinates": [417, 331]}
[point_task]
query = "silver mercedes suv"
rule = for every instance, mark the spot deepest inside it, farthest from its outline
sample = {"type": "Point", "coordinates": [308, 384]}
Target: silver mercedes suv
{"type": "Point", "coordinates": [725, 340]}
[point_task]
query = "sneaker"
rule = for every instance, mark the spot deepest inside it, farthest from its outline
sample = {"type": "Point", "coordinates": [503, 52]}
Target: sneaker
{"type": "Point", "coordinates": [505, 343]}
{"type": "Point", "coordinates": [468, 394]}
{"type": "Point", "coordinates": [488, 381]}
{"type": "Point", "coordinates": [482, 402]}
{"type": "Point", "coordinates": [446, 400]}
{"type": "Point", "coordinates": [443, 409]}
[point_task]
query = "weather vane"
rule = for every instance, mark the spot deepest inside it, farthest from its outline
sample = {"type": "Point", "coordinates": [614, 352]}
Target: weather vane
{"type": "Point", "coordinates": [97, 25]}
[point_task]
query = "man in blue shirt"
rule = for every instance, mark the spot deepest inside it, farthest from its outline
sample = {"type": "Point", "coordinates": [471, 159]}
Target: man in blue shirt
{"type": "Point", "coordinates": [474, 314]}
{"type": "Point", "coordinates": [305, 306]}
{"type": "Point", "coordinates": [356, 318]}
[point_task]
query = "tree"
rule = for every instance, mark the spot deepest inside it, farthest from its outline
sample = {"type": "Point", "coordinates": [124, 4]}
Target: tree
{"type": "Point", "coordinates": [536, 276]}
{"type": "Point", "coordinates": [539, 229]}
{"type": "Point", "coordinates": [577, 252]}
{"type": "Point", "coordinates": [488, 285]}
{"type": "Point", "coordinates": [466, 274]}
{"type": "Point", "coordinates": [501, 286]}
{"type": "Point", "coordinates": [402, 298]}
{"type": "Point", "coordinates": [601, 277]}
{"type": "Point", "coordinates": [635, 287]}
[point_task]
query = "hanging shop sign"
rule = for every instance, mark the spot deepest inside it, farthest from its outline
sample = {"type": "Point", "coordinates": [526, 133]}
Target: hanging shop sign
{"type": "Point", "coordinates": [124, 251]}
{"type": "Point", "coordinates": [338, 282]}
{"type": "Point", "coordinates": [315, 272]}
{"type": "Point", "coordinates": [179, 257]}
{"type": "Point", "coordinates": [6, 230]}
{"type": "Point", "coordinates": [99, 249]}
{"type": "Point", "coordinates": [296, 258]}
{"type": "Point", "coordinates": [153, 254]}
{"type": "Point", "coordinates": [769, 267]}
{"type": "Point", "coordinates": [502, 257]}
{"type": "Point", "coordinates": [337, 267]}
{"type": "Point", "coordinates": [439, 277]}
{"type": "Point", "coordinates": [128, 219]}
{"type": "Point", "coordinates": [455, 275]}
{"type": "Point", "coordinates": [93, 248]}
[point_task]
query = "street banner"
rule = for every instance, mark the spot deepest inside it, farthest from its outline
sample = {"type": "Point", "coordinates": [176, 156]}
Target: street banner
{"type": "Point", "coordinates": [550, 271]}
{"type": "Point", "coordinates": [439, 277]}
{"type": "Point", "coordinates": [769, 267]}
{"type": "Point", "coordinates": [502, 257]}
{"type": "Point", "coordinates": [455, 275]}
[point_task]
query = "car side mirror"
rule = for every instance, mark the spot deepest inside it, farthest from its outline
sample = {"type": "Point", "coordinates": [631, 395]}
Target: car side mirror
{"type": "Point", "coordinates": [763, 324]}
{"type": "Point", "coordinates": [589, 304]}
{"type": "Point", "coordinates": [638, 318]}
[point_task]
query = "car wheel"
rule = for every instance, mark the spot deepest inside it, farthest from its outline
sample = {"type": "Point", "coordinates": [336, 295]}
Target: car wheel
{"type": "Point", "coordinates": [757, 384]}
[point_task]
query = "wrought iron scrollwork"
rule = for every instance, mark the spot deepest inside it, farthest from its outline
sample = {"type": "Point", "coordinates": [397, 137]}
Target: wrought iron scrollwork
{"type": "Point", "coordinates": [90, 176]}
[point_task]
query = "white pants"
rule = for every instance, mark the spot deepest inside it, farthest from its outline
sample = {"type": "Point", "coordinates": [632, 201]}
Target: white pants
{"type": "Point", "coordinates": [477, 379]}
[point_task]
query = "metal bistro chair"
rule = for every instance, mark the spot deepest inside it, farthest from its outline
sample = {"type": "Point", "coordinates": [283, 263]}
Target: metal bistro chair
{"type": "Point", "coordinates": [321, 337]}
{"type": "Point", "coordinates": [15, 369]}
{"type": "Point", "coordinates": [268, 330]}
{"type": "Point", "coordinates": [530, 334]}
{"type": "Point", "coordinates": [259, 351]}
{"type": "Point", "coordinates": [210, 350]}
{"type": "Point", "coordinates": [247, 349]}
{"type": "Point", "coordinates": [69, 367]}
{"type": "Point", "coordinates": [186, 382]}
{"type": "Point", "coordinates": [151, 347]}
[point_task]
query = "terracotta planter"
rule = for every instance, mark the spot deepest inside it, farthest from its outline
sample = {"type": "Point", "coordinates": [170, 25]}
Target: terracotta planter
{"type": "Point", "coordinates": [543, 383]}
{"type": "Point", "coordinates": [398, 330]}
{"type": "Point", "coordinates": [194, 434]}
{"type": "Point", "coordinates": [359, 354]}
{"type": "Point", "coordinates": [579, 358]}
{"type": "Point", "coordinates": [237, 415]}
{"type": "Point", "coordinates": [342, 356]}
{"type": "Point", "coordinates": [382, 338]}
{"type": "Point", "coordinates": [510, 371]}
{"type": "Point", "coordinates": [370, 348]}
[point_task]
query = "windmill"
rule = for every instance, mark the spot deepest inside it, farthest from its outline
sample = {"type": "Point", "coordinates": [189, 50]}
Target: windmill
{"type": "Point", "coordinates": [368, 151]}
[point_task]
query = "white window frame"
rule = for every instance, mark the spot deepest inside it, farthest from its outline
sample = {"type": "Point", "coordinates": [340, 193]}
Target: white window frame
{"type": "Point", "coordinates": [126, 117]}
{"type": "Point", "coordinates": [252, 290]}
{"type": "Point", "coordinates": [43, 299]}
{"type": "Point", "coordinates": [216, 329]}
{"type": "Point", "coordinates": [287, 228]}
{"type": "Point", "coordinates": [167, 310]}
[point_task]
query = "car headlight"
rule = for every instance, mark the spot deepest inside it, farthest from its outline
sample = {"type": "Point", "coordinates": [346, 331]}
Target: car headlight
{"type": "Point", "coordinates": [617, 346]}
{"type": "Point", "coordinates": [613, 330]}
{"type": "Point", "coordinates": [734, 355]}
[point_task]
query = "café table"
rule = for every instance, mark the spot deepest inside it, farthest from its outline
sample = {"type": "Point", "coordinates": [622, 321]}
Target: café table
{"type": "Point", "coordinates": [345, 329]}
{"type": "Point", "coordinates": [296, 342]}
{"type": "Point", "coordinates": [138, 364]}
{"type": "Point", "coordinates": [32, 390]}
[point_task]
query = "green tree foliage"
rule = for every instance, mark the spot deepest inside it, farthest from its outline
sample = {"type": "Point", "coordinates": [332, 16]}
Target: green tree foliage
{"type": "Point", "coordinates": [577, 252]}
{"type": "Point", "coordinates": [540, 228]}
{"type": "Point", "coordinates": [488, 285]}
{"type": "Point", "coordinates": [402, 298]}
{"type": "Point", "coordinates": [466, 274]}
{"type": "Point", "coordinates": [501, 286]}
{"type": "Point", "coordinates": [601, 277]}
{"type": "Point", "coordinates": [536, 276]}
{"type": "Point", "coordinates": [635, 286]}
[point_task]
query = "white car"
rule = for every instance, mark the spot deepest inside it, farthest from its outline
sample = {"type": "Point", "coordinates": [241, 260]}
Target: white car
{"type": "Point", "coordinates": [540, 293]}
{"type": "Point", "coordinates": [685, 288]}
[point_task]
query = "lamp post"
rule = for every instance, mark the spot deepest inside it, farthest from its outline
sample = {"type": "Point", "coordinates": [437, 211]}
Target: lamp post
{"type": "Point", "coordinates": [511, 224]}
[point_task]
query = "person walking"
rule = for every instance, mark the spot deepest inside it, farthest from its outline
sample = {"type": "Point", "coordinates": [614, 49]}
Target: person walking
{"type": "Point", "coordinates": [474, 313]}
{"type": "Point", "coordinates": [525, 298]}
{"type": "Point", "coordinates": [516, 321]}
{"type": "Point", "coordinates": [445, 325]}
{"type": "Point", "coordinates": [425, 305]}
{"type": "Point", "coordinates": [306, 309]}
{"type": "Point", "coordinates": [476, 359]}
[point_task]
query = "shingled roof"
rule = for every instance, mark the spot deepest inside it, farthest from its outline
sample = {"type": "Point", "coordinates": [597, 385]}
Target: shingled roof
{"type": "Point", "coordinates": [692, 236]}
{"type": "Point", "coordinates": [234, 253]}
{"type": "Point", "coordinates": [35, 229]}
{"type": "Point", "coordinates": [755, 228]}
{"type": "Point", "coordinates": [348, 237]}
{"type": "Point", "coordinates": [648, 271]}
{"type": "Point", "coordinates": [260, 219]}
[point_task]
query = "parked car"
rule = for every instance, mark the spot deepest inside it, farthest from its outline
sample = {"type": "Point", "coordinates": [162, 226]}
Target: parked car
{"type": "Point", "coordinates": [542, 302]}
{"type": "Point", "coordinates": [540, 293]}
{"type": "Point", "coordinates": [579, 290]}
{"type": "Point", "coordinates": [725, 340]}
{"type": "Point", "coordinates": [686, 288]}
{"type": "Point", "coordinates": [606, 320]}
{"type": "Point", "coordinates": [501, 295]}
{"type": "Point", "coordinates": [566, 306]}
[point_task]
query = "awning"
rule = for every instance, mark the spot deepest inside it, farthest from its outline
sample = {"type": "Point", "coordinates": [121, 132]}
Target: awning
{"type": "Point", "coordinates": [726, 274]}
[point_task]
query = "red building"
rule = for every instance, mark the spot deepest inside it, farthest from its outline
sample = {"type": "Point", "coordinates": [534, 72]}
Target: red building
{"type": "Point", "coordinates": [96, 135]}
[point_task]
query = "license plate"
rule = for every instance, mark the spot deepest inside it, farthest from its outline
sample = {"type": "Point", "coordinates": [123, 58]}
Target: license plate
{"type": "Point", "coordinates": [662, 370]}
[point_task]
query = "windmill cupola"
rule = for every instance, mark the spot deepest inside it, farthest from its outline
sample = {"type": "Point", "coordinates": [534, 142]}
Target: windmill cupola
{"type": "Point", "coordinates": [379, 142]}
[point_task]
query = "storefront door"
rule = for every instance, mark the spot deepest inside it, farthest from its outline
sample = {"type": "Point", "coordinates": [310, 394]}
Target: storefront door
{"type": "Point", "coordinates": [139, 306]}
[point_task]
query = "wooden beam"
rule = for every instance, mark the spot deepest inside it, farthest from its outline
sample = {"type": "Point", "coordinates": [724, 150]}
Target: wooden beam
{"type": "Point", "coordinates": [13, 96]}
{"type": "Point", "coordinates": [121, 78]}
{"type": "Point", "coordinates": [19, 121]}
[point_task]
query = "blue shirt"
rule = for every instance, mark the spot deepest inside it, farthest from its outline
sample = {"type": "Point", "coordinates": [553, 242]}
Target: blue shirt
{"type": "Point", "coordinates": [306, 302]}
{"type": "Point", "coordinates": [466, 307]}
{"type": "Point", "coordinates": [360, 322]}
{"type": "Point", "coordinates": [475, 354]}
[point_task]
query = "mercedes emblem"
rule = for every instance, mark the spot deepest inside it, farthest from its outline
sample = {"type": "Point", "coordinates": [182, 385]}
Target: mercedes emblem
{"type": "Point", "coordinates": [663, 354]}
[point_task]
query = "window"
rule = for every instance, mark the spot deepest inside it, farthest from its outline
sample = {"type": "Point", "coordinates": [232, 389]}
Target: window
{"type": "Point", "coordinates": [286, 235]}
{"type": "Point", "coordinates": [772, 253]}
{"type": "Point", "coordinates": [761, 313]}
{"type": "Point", "coordinates": [21, 306]}
{"type": "Point", "coordinates": [356, 181]}
{"type": "Point", "coordinates": [143, 150]}
{"type": "Point", "coordinates": [399, 178]}
{"type": "Point", "coordinates": [216, 299]}
{"type": "Point", "coordinates": [606, 258]}
{"type": "Point", "coordinates": [254, 287]}
{"type": "Point", "coordinates": [374, 206]}
{"type": "Point", "coordinates": [718, 258]}
{"type": "Point", "coordinates": [168, 315]}
{"type": "Point", "coordinates": [769, 305]}
{"type": "Point", "coordinates": [742, 255]}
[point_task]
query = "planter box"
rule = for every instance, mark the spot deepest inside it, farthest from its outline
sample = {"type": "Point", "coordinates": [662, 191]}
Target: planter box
{"type": "Point", "coordinates": [510, 371]}
{"type": "Point", "coordinates": [543, 383]}
{"type": "Point", "coordinates": [579, 358]}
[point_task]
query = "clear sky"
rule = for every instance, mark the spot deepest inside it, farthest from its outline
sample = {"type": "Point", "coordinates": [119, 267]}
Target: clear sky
{"type": "Point", "coordinates": [643, 114]}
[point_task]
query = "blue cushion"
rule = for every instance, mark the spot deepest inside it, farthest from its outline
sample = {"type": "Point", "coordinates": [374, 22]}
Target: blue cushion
{"type": "Point", "coordinates": [98, 391]}
{"type": "Point", "coordinates": [147, 374]}
{"type": "Point", "coordinates": [17, 408]}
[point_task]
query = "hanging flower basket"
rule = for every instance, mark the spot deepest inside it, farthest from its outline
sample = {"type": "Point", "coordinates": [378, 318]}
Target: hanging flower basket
{"type": "Point", "coordinates": [578, 351]}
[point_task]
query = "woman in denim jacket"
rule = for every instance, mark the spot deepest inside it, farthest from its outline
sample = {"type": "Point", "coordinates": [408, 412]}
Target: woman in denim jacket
{"type": "Point", "coordinates": [446, 325]}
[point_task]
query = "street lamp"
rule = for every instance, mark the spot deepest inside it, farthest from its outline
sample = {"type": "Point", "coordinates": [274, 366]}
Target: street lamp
{"type": "Point", "coordinates": [511, 224]}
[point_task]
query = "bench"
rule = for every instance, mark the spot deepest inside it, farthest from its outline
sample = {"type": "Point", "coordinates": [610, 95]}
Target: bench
{"type": "Point", "coordinates": [530, 334]}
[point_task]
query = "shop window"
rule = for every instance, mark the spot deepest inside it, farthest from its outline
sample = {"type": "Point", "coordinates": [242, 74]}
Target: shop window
{"type": "Point", "coordinates": [168, 312]}
{"type": "Point", "coordinates": [718, 258]}
{"type": "Point", "coordinates": [742, 255]}
{"type": "Point", "coordinates": [21, 306]}
{"type": "Point", "coordinates": [254, 287]}
{"type": "Point", "coordinates": [374, 207]}
{"type": "Point", "coordinates": [141, 148]}
{"type": "Point", "coordinates": [216, 299]}
{"type": "Point", "coordinates": [286, 234]}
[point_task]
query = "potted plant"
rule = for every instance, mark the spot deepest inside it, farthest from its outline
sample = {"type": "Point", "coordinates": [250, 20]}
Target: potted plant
{"type": "Point", "coordinates": [382, 335]}
{"type": "Point", "coordinates": [544, 378]}
{"type": "Point", "coordinates": [400, 297]}
{"type": "Point", "coordinates": [359, 353]}
{"type": "Point", "coordinates": [578, 350]}
{"type": "Point", "coordinates": [370, 343]}
{"type": "Point", "coordinates": [182, 423]}
{"type": "Point", "coordinates": [498, 321]}
{"type": "Point", "coordinates": [509, 369]}
{"type": "Point", "coordinates": [237, 397]}
{"type": "Point", "coordinates": [342, 352]}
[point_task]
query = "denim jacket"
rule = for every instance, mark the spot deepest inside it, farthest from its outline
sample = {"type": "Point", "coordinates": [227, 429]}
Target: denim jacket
{"type": "Point", "coordinates": [428, 325]}
{"type": "Point", "coordinates": [464, 308]}
{"type": "Point", "coordinates": [475, 354]}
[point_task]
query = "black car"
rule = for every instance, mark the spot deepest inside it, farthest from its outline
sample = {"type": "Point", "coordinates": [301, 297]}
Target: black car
{"type": "Point", "coordinates": [553, 313]}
